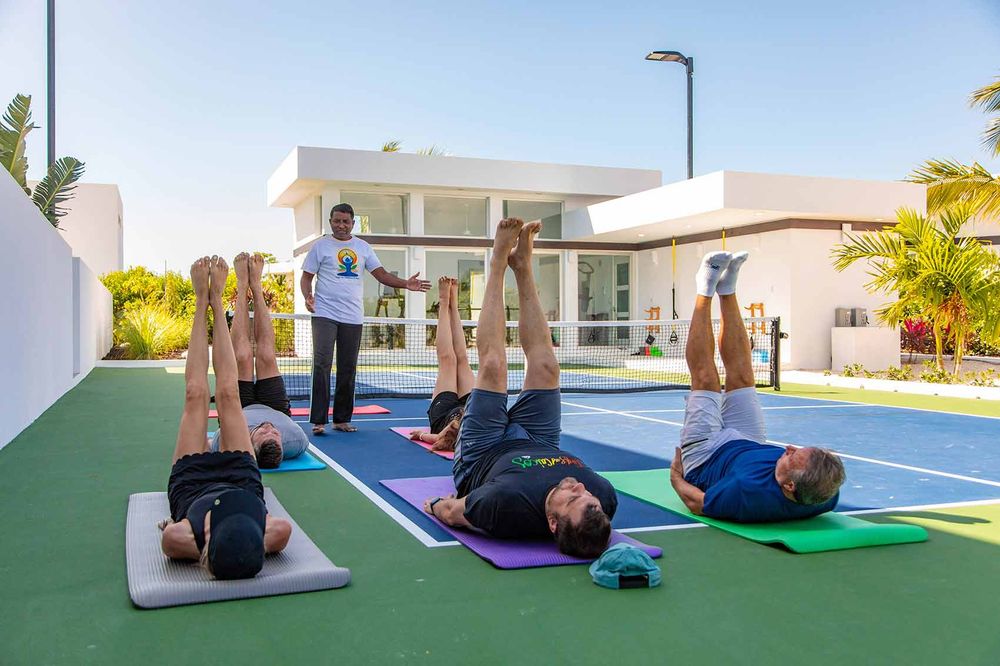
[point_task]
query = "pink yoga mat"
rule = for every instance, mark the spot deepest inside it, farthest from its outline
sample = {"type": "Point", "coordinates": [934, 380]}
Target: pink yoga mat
{"type": "Point", "coordinates": [304, 411]}
{"type": "Point", "coordinates": [405, 432]}
{"type": "Point", "coordinates": [501, 553]}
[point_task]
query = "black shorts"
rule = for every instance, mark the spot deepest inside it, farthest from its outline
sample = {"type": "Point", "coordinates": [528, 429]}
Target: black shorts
{"type": "Point", "coordinates": [443, 408]}
{"type": "Point", "coordinates": [198, 473]}
{"type": "Point", "coordinates": [269, 392]}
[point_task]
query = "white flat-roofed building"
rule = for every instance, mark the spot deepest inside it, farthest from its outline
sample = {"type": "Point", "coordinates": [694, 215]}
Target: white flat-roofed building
{"type": "Point", "coordinates": [614, 241]}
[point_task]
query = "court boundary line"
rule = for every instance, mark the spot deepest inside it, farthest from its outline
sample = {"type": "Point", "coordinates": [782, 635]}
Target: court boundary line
{"type": "Point", "coordinates": [872, 404]}
{"type": "Point", "coordinates": [394, 513]}
{"type": "Point", "coordinates": [875, 461]}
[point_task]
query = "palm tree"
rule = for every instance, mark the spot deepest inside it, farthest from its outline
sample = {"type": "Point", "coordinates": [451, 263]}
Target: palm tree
{"type": "Point", "coordinates": [954, 281]}
{"type": "Point", "coordinates": [949, 182]}
{"type": "Point", "coordinates": [395, 146]}
{"type": "Point", "coordinates": [56, 187]}
{"type": "Point", "coordinates": [392, 146]}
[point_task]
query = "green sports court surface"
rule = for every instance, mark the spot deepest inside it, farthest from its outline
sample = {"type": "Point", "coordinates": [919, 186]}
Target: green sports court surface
{"type": "Point", "coordinates": [65, 481]}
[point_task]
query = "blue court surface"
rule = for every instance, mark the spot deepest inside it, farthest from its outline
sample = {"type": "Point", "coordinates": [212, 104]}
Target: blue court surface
{"type": "Point", "coordinates": [895, 457]}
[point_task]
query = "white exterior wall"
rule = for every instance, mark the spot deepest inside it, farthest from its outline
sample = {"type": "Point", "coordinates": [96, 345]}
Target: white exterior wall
{"type": "Point", "coordinates": [93, 314]}
{"type": "Point", "coordinates": [93, 227]}
{"type": "Point", "coordinates": [37, 349]}
{"type": "Point", "coordinates": [789, 271]}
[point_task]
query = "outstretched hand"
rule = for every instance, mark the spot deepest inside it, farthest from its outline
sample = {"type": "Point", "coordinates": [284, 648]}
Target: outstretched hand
{"type": "Point", "coordinates": [414, 283]}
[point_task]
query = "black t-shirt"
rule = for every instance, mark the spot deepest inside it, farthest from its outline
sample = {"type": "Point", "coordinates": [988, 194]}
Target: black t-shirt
{"type": "Point", "coordinates": [508, 491]}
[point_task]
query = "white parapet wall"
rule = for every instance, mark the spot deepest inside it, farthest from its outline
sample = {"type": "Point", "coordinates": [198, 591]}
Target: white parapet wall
{"type": "Point", "coordinates": [59, 312]}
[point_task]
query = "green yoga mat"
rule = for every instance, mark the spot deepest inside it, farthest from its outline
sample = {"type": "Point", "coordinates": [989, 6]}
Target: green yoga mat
{"type": "Point", "coordinates": [829, 531]}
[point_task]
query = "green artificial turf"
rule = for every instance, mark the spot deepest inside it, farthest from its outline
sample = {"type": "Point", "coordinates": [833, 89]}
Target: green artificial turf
{"type": "Point", "coordinates": [64, 484]}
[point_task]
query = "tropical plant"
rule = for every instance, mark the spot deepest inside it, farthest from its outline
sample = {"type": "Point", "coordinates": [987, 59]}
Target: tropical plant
{"type": "Point", "coordinates": [950, 182]}
{"type": "Point", "coordinates": [60, 180]}
{"type": "Point", "coordinates": [916, 335]}
{"type": "Point", "coordinates": [392, 146]}
{"type": "Point", "coordinates": [149, 331]}
{"type": "Point", "coordinates": [954, 282]}
{"type": "Point", "coordinates": [395, 146]}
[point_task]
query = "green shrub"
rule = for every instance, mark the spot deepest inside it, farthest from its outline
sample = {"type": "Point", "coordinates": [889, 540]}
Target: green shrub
{"type": "Point", "coordinates": [935, 375]}
{"type": "Point", "coordinates": [986, 377]}
{"type": "Point", "coordinates": [135, 284]}
{"type": "Point", "coordinates": [854, 370]}
{"type": "Point", "coordinates": [980, 348]}
{"type": "Point", "coordinates": [150, 331]}
{"type": "Point", "coordinates": [898, 374]}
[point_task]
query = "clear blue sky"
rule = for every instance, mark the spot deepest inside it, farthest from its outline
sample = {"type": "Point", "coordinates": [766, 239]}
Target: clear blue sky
{"type": "Point", "coordinates": [189, 106]}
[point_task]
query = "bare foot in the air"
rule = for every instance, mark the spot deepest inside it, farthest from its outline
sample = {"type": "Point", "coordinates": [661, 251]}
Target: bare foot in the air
{"type": "Point", "coordinates": [199, 278]}
{"type": "Point", "coordinates": [344, 427]}
{"type": "Point", "coordinates": [454, 289]}
{"type": "Point", "coordinates": [220, 271]}
{"type": "Point", "coordinates": [506, 237]}
{"type": "Point", "coordinates": [444, 290]}
{"type": "Point", "coordinates": [256, 268]}
{"type": "Point", "coordinates": [521, 256]}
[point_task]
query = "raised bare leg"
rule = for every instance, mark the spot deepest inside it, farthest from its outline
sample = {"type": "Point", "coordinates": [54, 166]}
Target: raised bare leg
{"type": "Point", "coordinates": [227, 394]}
{"type": "Point", "coordinates": [490, 335]}
{"type": "Point", "coordinates": [734, 343]}
{"type": "Point", "coordinates": [446, 376]}
{"type": "Point", "coordinates": [466, 379]}
{"type": "Point", "coordinates": [541, 368]}
{"type": "Point", "coordinates": [191, 436]}
{"type": "Point", "coordinates": [265, 359]}
{"type": "Point", "coordinates": [241, 321]}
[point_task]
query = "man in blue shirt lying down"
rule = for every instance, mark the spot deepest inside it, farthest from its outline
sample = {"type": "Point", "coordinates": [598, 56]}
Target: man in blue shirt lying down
{"type": "Point", "coordinates": [723, 468]}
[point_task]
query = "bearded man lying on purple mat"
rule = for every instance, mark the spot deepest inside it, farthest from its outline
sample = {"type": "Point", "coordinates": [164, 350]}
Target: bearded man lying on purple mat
{"type": "Point", "coordinates": [513, 480]}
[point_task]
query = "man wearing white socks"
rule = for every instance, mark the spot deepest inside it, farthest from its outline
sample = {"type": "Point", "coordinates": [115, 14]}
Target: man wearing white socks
{"type": "Point", "coordinates": [723, 468]}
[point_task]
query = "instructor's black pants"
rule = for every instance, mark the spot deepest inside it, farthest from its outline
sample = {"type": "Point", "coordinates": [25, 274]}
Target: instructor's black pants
{"type": "Point", "coordinates": [347, 337]}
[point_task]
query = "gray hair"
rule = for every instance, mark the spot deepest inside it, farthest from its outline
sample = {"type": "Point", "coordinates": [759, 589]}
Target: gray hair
{"type": "Point", "coordinates": [820, 479]}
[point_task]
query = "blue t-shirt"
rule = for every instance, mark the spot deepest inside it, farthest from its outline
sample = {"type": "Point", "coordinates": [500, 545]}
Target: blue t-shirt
{"type": "Point", "coordinates": [739, 485]}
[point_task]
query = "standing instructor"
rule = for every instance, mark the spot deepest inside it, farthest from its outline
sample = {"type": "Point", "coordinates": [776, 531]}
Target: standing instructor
{"type": "Point", "coordinates": [339, 261]}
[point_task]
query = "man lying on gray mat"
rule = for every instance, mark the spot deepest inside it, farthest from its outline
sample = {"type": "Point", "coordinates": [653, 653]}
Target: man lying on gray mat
{"type": "Point", "coordinates": [217, 511]}
{"type": "Point", "coordinates": [273, 433]}
{"type": "Point", "coordinates": [724, 467]}
{"type": "Point", "coordinates": [513, 481]}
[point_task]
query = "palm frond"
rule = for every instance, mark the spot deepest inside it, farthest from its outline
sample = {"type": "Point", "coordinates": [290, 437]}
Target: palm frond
{"type": "Point", "coordinates": [988, 97]}
{"type": "Point", "coordinates": [950, 182]}
{"type": "Point", "coordinates": [392, 146]}
{"type": "Point", "coordinates": [14, 129]}
{"type": "Point", "coordinates": [991, 136]}
{"type": "Point", "coordinates": [57, 187]}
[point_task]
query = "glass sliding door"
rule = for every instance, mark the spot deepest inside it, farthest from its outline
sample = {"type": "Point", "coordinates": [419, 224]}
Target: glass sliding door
{"type": "Point", "coordinates": [605, 294]}
{"type": "Point", "coordinates": [382, 301]}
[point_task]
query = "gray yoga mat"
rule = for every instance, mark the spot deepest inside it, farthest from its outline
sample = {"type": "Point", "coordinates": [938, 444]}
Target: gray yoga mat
{"type": "Point", "coordinates": [155, 581]}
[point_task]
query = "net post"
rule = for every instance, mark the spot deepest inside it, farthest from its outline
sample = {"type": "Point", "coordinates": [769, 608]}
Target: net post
{"type": "Point", "coordinates": [776, 354]}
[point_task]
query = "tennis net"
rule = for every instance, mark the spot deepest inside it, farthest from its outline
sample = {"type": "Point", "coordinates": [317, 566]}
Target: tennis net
{"type": "Point", "coordinates": [398, 357]}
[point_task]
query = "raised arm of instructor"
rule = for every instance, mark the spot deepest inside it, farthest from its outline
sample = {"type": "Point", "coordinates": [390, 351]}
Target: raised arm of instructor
{"type": "Point", "coordinates": [413, 283]}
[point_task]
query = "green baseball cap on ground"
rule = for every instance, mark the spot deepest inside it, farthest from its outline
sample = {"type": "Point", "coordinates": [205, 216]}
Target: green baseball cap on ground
{"type": "Point", "coordinates": [625, 566]}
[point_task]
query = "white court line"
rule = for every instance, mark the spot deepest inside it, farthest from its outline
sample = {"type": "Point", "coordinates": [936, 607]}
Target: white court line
{"type": "Point", "coordinates": [377, 500]}
{"type": "Point", "coordinates": [922, 470]}
{"type": "Point", "coordinates": [870, 404]}
{"type": "Point", "coordinates": [424, 418]}
{"type": "Point", "coordinates": [681, 411]}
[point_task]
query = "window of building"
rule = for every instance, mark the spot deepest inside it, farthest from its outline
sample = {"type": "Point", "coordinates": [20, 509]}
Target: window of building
{"type": "Point", "coordinates": [470, 269]}
{"type": "Point", "coordinates": [549, 212]}
{"type": "Point", "coordinates": [454, 216]}
{"type": "Point", "coordinates": [604, 290]}
{"type": "Point", "coordinates": [547, 280]}
{"type": "Point", "coordinates": [377, 213]}
{"type": "Point", "coordinates": [382, 301]}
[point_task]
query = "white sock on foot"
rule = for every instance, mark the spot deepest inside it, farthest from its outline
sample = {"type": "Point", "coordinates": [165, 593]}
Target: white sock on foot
{"type": "Point", "coordinates": [727, 283]}
{"type": "Point", "coordinates": [712, 267]}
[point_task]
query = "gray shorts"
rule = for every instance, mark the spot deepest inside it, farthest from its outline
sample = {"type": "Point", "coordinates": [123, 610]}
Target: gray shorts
{"type": "Point", "coordinates": [713, 419]}
{"type": "Point", "coordinates": [536, 415]}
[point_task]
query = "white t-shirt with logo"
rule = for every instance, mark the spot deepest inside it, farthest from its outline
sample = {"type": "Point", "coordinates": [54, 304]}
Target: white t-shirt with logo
{"type": "Point", "coordinates": [338, 266]}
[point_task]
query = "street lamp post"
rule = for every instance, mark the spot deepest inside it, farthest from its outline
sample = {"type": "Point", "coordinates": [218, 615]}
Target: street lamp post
{"type": "Point", "coordinates": [688, 62]}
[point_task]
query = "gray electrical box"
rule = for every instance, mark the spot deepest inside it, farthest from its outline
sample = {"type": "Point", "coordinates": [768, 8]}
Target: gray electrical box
{"type": "Point", "coordinates": [847, 317]}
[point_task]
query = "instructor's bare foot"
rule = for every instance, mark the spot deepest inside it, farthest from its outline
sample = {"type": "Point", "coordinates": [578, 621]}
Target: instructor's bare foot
{"type": "Point", "coordinates": [444, 289]}
{"type": "Point", "coordinates": [344, 427]}
{"type": "Point", "coordinates": [256, 268]}
{"type": "Point", "coordinates": [199, 278]}
{"type": "Point", "coordinates": [506, 237]}
{"type": "Point", "coordinates": [319, 429]}
{"type": "Point", "coordinates": [521, 256]}
{"type": "Point", "coordinates": [220, 271]}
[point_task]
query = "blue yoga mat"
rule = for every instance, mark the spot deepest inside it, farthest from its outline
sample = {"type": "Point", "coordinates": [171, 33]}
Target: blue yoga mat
{"type": "Point", "coordinates": [306, 461]}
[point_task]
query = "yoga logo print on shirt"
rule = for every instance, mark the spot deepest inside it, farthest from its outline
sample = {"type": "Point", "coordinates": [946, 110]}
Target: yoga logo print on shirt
{"type": "Point", "coordinates": [348, 263]}
{"type": "Point", "coordinates": [525, 462]}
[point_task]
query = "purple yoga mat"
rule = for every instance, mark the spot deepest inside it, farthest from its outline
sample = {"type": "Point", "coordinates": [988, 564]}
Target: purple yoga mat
{"type": "Point", "coordinates": [501, 553]}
